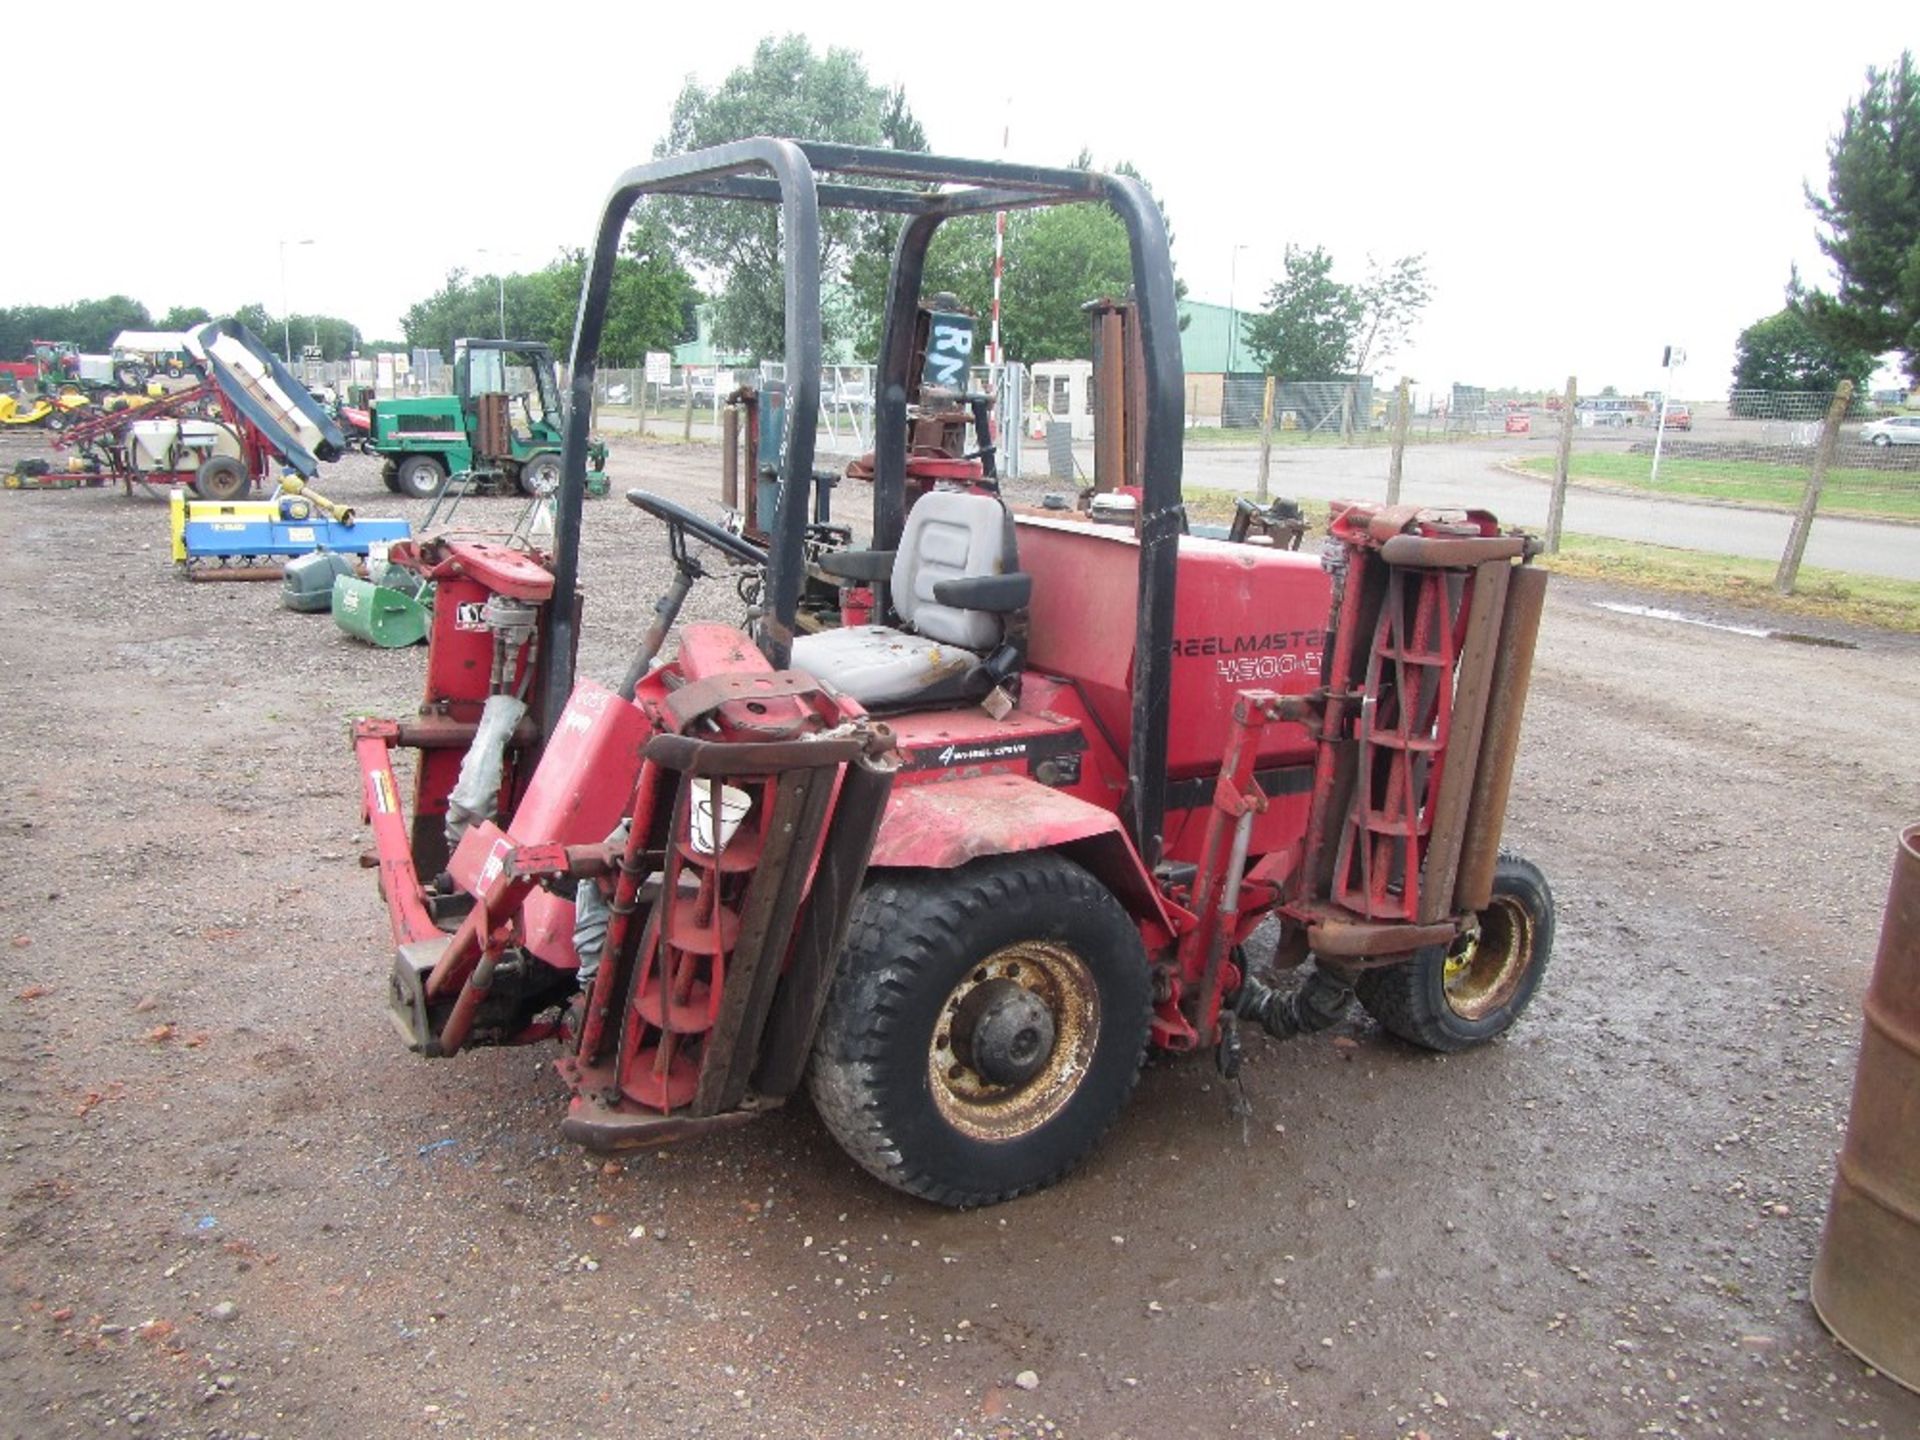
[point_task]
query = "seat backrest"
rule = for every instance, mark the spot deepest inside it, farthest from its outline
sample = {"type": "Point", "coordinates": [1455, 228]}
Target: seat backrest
{"type": "Point", "coordinates": [952, 536]}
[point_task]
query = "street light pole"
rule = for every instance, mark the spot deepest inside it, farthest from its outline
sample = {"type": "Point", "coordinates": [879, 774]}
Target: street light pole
{"type": "Point", "coordinates": [1233, 326]}
{"type": "Point", "coordinates": [286, 332]}
{"type": "Point", "coordinates": [500, 279]}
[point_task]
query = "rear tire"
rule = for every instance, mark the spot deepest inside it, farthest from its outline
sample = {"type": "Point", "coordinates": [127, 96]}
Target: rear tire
{"type": "Point", "coordinates": [222, 478]}
{"type": "Point", "coordinates": [540, 476]}
{"type": "Point", "coordinates": [419, 477]}
{"type": "Point", "coordinates": [1024, 965]}
{"type": "Point", "coordinates": [1452, 997]}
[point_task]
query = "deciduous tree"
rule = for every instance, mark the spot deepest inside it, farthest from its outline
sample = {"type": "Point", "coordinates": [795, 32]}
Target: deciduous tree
{"type": "Point", "coordinates": [89, 324]}
{"type": "Point", "coordinates": [1308, 327]}
{"type": "Point", "coordinates": [1785, 352]}
{"type": "Point", "coordinates": [1057, 259]}
{"type": "Point", "coordinates": [1391, 299]}
{"type": "Point", "coordinates": [649, 304]}
{"type": "Point", "coordinates": [785, 90]}
{"type": "Point", "coordinates": [1318, 328]}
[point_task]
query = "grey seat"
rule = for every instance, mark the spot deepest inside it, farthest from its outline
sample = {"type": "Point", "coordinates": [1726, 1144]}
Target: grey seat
{"type": "Point", "coordinates": [955, 579]}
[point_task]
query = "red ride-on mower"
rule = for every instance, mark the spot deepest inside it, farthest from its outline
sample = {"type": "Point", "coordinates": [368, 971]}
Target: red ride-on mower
{"type": "Point", "coordinates": [958, 869]}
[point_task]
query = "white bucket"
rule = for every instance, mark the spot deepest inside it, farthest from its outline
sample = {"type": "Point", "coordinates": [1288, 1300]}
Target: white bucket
{"type": "Point", "coordinates": [733, 808]}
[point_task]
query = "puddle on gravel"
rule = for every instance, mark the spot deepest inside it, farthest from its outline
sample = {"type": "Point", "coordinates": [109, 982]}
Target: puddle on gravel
{"type": "Point", "coordinates": [1792, 637]}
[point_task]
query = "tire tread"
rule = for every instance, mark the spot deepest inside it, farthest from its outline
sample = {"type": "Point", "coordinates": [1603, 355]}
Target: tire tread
{"type": "Point", "coordinates": [1404, 1002]}
{"type": "Point", "coordinates": [898, 923]}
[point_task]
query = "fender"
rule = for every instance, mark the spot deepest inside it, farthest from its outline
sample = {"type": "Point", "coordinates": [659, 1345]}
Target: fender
{"type": "Point", "coordinates": [946, 824]}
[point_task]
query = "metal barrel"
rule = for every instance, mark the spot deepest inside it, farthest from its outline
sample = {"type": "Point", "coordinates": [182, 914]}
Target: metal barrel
{"type": "Point", "coordinates": [1866, 1280]}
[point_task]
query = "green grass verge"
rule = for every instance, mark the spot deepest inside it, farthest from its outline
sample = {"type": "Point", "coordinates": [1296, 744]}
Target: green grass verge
{"type": "Point", "coordinates": [1881, 493]}
{"type": "Point", "coordinates": [1819, 594]}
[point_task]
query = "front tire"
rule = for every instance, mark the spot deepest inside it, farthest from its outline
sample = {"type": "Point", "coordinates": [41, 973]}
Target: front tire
{"type": "Point", "coordinates": [984, 1029]}
{"type": "Point", "coordinates": [419, 477]}
{"type": "Point", "coordinates": [1883, 441]}
{"type": "Point", "coordinates": [1452, 997]}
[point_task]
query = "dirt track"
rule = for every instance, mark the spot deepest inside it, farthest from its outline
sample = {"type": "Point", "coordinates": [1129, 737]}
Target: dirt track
{"type": "Point", "coordinates": [234, 1205]}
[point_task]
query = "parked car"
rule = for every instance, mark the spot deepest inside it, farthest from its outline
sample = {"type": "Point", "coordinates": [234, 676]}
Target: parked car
{"type": "Point", "coordinates": [1606, 410]}
{"type": "Point", "coordinates": [1679, 417]}
{"type": "Point", "coordinates": [1894, 430]}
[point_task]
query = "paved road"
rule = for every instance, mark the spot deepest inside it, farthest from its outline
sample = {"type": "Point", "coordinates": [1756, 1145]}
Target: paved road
{"type": "Point", "coordinates": [1467, 473]}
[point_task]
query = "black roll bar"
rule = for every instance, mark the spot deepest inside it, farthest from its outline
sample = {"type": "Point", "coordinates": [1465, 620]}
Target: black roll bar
{"type": "Point", "coordinates": [783, 172]}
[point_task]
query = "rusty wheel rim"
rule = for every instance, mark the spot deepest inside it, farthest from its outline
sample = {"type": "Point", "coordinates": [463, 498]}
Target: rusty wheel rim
{"type": "Point", "coordinates": [1484, 969]}
{"type": "Point", "coordinates": [1059, 979]}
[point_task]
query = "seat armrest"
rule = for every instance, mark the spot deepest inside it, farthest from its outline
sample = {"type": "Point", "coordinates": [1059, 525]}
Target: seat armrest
{"type": "Point", "coordinates": [996, 594]}
{"type": "Point", "coordinates": [866, 566]}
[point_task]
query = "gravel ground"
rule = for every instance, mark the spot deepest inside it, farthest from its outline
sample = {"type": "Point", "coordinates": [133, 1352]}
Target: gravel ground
{"type": "Point", "coordinates": [234, 1205]}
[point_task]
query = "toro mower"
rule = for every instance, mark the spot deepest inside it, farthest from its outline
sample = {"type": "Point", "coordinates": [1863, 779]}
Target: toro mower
{"type": "Point", "coordinates": [957, 869]}
{"type": "Point", "coordinates": [501, 425]}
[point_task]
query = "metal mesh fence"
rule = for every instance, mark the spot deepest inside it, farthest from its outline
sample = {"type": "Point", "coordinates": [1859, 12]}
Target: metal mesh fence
{"type": "Point", "coordinates": [1804, 455]}
{"type": "Point", "coordinates": [1345, 411]}
{"type": "Point", "coordinates": [386, 375]}
{"type": "Point", "coordinates": [1791, 406]}
{"type": "Point", "coordinates": [690, 400]}
{"type": "Point", "coordinates": [1312, 407]}
{"type": "Point", "coordinates": [1756, 447]}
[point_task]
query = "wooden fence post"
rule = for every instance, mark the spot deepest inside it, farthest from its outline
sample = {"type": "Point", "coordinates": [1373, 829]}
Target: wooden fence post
{"type": "Point", "coordinates": [1266, 443]}
{"type": "Point", "coordinates": [1789, 571]}
{"type": "Point", "coordinates": [1401, 401]}
{"type": "Point", "coordinates": [1563, 462]}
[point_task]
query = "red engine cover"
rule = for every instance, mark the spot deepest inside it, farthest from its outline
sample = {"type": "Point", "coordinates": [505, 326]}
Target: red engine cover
{"type": "Point", "coordinates": [1244, 615]}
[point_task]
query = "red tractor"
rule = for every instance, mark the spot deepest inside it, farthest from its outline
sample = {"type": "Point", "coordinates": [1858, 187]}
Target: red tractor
{"type": "Point", "coordinates": [959, 869]}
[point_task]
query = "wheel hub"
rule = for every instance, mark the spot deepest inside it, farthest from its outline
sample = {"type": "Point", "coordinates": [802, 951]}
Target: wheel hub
{"type": "Point", "coordinates": [1485, 967]}
{"type": "Point", "coordinates": [1004, 1032]}
{"type": "Point", "coordinates": [1014, 1040]}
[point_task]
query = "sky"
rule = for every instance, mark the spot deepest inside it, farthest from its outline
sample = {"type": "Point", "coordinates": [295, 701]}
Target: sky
{"type": "Point", "coordinates": [1587, 186]}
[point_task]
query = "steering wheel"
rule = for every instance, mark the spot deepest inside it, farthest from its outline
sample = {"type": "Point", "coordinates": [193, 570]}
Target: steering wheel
{"type": "Point", "coordinates": [679, 518]}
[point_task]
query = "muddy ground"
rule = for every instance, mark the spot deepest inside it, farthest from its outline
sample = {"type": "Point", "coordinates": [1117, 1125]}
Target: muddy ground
{"type": "Point", "coordinates": [231, 1204]}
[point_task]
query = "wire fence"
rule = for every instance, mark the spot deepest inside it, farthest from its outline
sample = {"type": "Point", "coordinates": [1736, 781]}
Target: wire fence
{"type": "Point", "coordinates": [689, 400]}
{"type": "Point", "coordinates": [1346, 411]}
{"type": "Point", "coordinates": [1758, 447]}
{"type": "Point", "coordinates": [1754, 447]}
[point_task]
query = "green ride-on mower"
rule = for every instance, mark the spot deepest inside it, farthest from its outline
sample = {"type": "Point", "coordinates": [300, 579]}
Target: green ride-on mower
{"type": "Point", "coordinates": [501, 425]}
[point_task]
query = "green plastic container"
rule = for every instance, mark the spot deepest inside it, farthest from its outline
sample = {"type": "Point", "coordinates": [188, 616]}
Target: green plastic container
{"type": "Point", "coordinates": [383, 615]}
{"type": "Point", "coordinates": [308, 580]}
